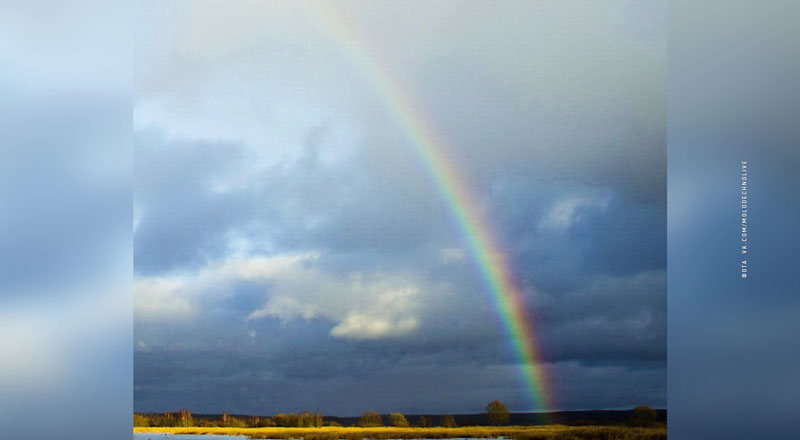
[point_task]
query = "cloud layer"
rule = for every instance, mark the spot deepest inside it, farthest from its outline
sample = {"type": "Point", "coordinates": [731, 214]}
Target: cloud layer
{"type": "Point", "coordinates": [291, 251]}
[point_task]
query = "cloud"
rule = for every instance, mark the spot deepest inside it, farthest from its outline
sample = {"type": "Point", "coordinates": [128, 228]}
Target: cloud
{"type": "Point", "coordinates": [159, 298]}
{"type": "Point", "coordinates": [535, 83]}
{"type": "Point", "coordinates": [567, 212]}
{"type": "Point", "coordinates": [377, 307]}
{"type": "Point", "coordinates": [183, 294]}
{"type": "Point", "coordinates": [610, 318]}
{"type": "Point", "coordinates": [367, 325]}
{"type": "Point", "coordinates": [390, 314]}
{"type": "Point", "coordinates": [359, 307]}
{"type": "Point", "coordinates": [277, 196]}
{"type": "Point", "coordinates": [452, 254]}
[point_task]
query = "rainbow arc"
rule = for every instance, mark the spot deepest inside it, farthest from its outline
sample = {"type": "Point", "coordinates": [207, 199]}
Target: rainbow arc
{"type": "Point", "coordinates": [474, 231]}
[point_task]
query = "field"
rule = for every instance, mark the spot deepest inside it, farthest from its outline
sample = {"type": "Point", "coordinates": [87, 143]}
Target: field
{"type": "Point", "coordinates": [545, 432]}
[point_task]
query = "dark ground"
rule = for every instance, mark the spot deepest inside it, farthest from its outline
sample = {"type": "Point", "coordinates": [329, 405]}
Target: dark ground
{"type": "Point", "coordinates": [574, 418]}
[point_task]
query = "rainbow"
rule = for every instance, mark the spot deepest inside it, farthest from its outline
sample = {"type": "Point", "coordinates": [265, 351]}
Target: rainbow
{"type": "Point", "coordinates": [474, 231]}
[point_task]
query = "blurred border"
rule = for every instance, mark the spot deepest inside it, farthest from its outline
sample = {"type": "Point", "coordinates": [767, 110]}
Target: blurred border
{"type": "Point", "coordinates": [65, 228]}
{"type": "Point", "coordinates": [65, 220]}
{"type": "Point", "coordinates": [734, 365]}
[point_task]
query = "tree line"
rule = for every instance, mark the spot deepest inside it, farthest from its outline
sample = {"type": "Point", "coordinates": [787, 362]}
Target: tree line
{"type": "Point", "coordinates": [496, 412]}
{"type": "Point", "coordinates": [183, 418]}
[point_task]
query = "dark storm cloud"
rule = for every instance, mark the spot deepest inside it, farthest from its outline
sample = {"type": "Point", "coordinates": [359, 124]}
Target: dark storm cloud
{"type": "Point", "coordinates": [348, 386]}
{"type": "Point", "coordinates": [183, 220]}
{"type": "Point", "coordinates": [296, 249]}
{"type": "Point", "coordinates": [186, 219]}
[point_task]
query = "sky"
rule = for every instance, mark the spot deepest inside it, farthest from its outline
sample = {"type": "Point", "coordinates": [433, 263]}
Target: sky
{"type": "Point", "coordinates": [292, 252]}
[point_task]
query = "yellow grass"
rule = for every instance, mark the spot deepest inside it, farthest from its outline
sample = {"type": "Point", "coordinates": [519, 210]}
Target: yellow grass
{"type": "Point", "coordinates": [545, 432]}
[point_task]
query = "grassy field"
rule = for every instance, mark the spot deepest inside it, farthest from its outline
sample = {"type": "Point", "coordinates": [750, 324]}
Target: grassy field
{"type": "Point", "coordinates": [546, 432]}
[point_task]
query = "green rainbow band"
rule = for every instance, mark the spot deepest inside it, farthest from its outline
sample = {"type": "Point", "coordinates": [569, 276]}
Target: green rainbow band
{"type": "Point", "coordinates": [452, 188]}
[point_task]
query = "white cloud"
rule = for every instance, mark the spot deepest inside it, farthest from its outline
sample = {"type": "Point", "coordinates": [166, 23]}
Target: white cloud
{"type": "Point", "coordinates": [286, 308]}
{"type": "Point", "coordinates": [390, 313]}
{"type": "Point", "coordinates": [360, 307]}
{"type": "Point", "coordinates": [381, 306]}
{"type": "Point", "coordinates": [567, 212]}
{"type": "Point", "coordinates": [365, 326]}
{"type": "Point", "coordinates": [179, 296]}
{"type": "Point", "coordinates": [159, 298]}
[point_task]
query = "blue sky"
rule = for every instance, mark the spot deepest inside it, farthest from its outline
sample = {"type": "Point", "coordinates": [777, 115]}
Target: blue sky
{"type": "Point", "coordinates": [291, 253]}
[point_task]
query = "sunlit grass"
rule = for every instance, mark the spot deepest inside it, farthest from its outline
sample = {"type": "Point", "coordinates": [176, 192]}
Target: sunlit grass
{"type": "Point", "coordinates": [545, 432]}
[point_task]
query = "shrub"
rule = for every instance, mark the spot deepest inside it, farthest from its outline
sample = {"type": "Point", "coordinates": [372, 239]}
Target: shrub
{"type": "Point", "coordinates": [308, 420]}
{"type": "Point", "coordinates": [397, 419]}
{"type": "Point", "coordinates": [233, 422]}
{"type": "Point", "coordinates": [185, 418]}
{"type": "Point", "coordinates": [642, 416]}
{"type": "Point", "coordinates": [140, 420]}
{"type": "Point", "coordinates": [448, 421]}
{"type": "Point", "coordinates": [370, 418]}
